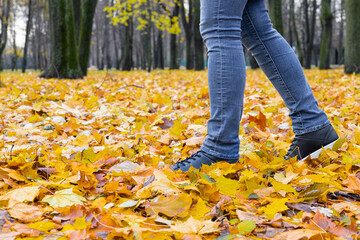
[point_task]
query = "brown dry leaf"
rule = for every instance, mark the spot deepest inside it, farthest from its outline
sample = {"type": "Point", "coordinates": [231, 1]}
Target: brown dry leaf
{"type": "Point", "coordinates": [194, 141]}
{"type": "Point", "coordinates": [26, 230]}
{"type": "Point", "coordinates": [193, 226]}
{"type": "Point", "coordinates": [9, 236]}
{"type": "Point", "coordinates": [171, 206]}
{"type": "Point", "coordinates": [353, 183]}
{"type": "Point", "coordinates": [300, 234]}
{"type": "Point", "coordinates": [21, 195]}
{"type": "Point", "coordinates": [247, 216]}
{"type": "Point", "coordinates": [26, 213]}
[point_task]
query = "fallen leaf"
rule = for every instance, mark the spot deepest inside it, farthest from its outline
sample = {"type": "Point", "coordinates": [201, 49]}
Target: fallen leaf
{"type": "Point", "coordinates": [21, 194]}
{"type": "Point", "coordinates": [64, 198]}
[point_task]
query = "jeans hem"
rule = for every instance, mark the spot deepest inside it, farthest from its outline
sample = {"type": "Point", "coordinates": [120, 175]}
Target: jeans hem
{"type": "Point", "coordinates": [312, 129]}
{"type": "Point", "coordinates": [220, 155]}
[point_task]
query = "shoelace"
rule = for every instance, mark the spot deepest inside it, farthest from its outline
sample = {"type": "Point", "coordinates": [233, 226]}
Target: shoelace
{"type": "Point", "coordinates": [293, 147]}
{"type": "Point", "coordinates": [187, 160]}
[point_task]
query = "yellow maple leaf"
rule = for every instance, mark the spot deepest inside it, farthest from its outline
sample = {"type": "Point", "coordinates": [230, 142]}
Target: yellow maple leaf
{"type": "Point", "coordinates": [276, 206]}
{"type": "Point", "coordinates": [64, 198]}
{"type": "Point", "coordinates": [227, 186]}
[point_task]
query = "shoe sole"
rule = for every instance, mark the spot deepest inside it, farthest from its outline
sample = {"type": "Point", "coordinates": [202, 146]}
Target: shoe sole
{"type": "Point", "coordinates": [317, 152]}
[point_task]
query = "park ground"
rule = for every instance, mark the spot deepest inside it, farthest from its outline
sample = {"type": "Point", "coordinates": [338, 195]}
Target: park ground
{"type": "Point", "coordinates": [89, 159]}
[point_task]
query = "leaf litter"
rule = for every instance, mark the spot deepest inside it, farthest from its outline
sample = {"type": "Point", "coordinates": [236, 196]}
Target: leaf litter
{"type": "Point", "coordinates": [89, 159]}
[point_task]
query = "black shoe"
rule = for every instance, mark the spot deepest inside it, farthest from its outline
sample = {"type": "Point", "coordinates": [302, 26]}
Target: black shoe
{"type": "Point", "coordinates": [197, 160]}
{"type": "Point", "coordinates": [311, 144]}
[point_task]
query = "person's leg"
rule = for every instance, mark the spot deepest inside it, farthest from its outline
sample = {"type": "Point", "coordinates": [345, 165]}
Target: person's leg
{"type": "Point", "coordinates": [282, 67]}
{"type": "Point", "coordinates": [220, 27]}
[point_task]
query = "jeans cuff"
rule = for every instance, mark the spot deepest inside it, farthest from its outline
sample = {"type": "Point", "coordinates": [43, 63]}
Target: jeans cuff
{"type": "Point", "coordinates": [312, 129]}
{"type": "Point", "coordinates": [220, 155]}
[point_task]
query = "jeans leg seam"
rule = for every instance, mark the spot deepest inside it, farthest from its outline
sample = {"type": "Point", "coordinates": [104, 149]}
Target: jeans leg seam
{"type": "Point", "coordinates": [274, 65]}
{"type": "Point", "coordinates": [220, 75]}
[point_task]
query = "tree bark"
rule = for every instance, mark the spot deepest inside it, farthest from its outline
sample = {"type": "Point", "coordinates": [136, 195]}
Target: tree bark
{"type": "Point", "coordinates": [64, 55]}
{"type": "Point", "coordinates": [127, 63]}
{"type": "Point", "coordinates": [106, 41]}
{"type": "Point", "coordinates": [352, 43]}
{"type": "Point", "coordinates": [86, 24]}
{"type": "Point", "coordinates": [173, 40]}
{"type": "Point", "coordinates": [276, 15]}
{"type": "Point", "coordinates": [198, 41]}
{"type": "Point", "coordinates": [28, 28]}
{"type": "Point", "coordinates": [309, 32]}
{"type": "Point", "coordinates": [148, 40]}
{"type": "Point", "coordinates": [341, 35]}
{"type": "Point", "coordinates": [188, 27]}
{"type": "Point", "coordinates": [293, 22]}
{"type": "Point", "coordinates": [326, 35]}
{"type": "Point", "coordinates": [5, 13]}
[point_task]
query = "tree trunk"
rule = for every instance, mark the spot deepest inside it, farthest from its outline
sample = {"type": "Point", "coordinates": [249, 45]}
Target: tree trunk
{"type": "Point", "coordinates": [116, 45]}
{"type": "Point", "coordinates": [276, 15]}
{"type": "Point", "coordinates": [28, 28]}
{"type": "Point", "coordinates": [173, 40]}
{"type": "Point", "coordinates": [14, 55]}
{"type": "Point", "coordinates": [127, 63]}
{"type": "Point", "coordinates": [64, 55]}
{"type": "Point", "coordinates": [326, 34]}
{"type": "Point", "coordinates": [161, 51]}
{"type": "Point", "coordinates": [309, 32]}
{"type": "Point", "coordinates": [341, 35]}
{"type": "Point", "coordinates": [298, 43]}
{"type": "Point", "coordinates": [291, 40]}
{"type": "Point", "coordinates": [148, 40]}
{"type": "Point", "coordinates": [77, 17]}
{"type": "Point", "coordinates": [188, 27]}
{"type": "Point", "coordinates": [352, 36]}
{"type": "Point", "coordinates": [5, 13]}
{"type": "Point", "coordinates": [198, 41]}
{"type": "Point", "coordinates": [86, 24]}
{"type": "Point", "coordinates": [106, 41]}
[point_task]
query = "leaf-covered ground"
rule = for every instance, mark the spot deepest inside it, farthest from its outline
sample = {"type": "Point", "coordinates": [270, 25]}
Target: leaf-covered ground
{"type": "Point", "coordinates": [89, 159]}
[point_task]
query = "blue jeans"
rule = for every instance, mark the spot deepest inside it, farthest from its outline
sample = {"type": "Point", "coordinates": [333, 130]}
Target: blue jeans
{"type": "Point", "coordinates": [225, 25]}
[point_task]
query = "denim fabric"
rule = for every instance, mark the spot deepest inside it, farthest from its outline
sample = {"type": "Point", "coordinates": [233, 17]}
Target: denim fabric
{"type": "Point", "coordinates": [225, 25]}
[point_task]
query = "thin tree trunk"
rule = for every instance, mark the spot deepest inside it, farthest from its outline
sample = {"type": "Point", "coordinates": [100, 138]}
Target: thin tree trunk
{"type": "Point", "coordinates": [173, 40]}
{"type": "Point", "coordinates": [309, 32]}
{"type": "Point", "coordinates": [276, 15]}
{"type": "Point", "coordinates": [86, 24]}
{"type": "Point", "coordinates": [188, 27]}
{"type": "Point", "coordinates": [128, 49]}
{"type": "Point", "coordinates": [341, 35]}
{"type": "Point", "coordinates": [352, 36]}
{"type": "Point", "coordinates": [106, 41]}
{"type": "Point", "coordinates": [198, 41]}
{"type": "Point", "coordinates": [160, 49]}
{"type": "Point", "coordinates": [149, 55]}
{"type": "Point", "coordinates": [298, 43]}
{"type": "Point", "coordinates": [116, 45]}
{"type": "Point", "coordinates": [5, 14]}
{"type": "Point", "coordinates": [326, 35]}
{"type": "Point", "coordinates": [28, 28]}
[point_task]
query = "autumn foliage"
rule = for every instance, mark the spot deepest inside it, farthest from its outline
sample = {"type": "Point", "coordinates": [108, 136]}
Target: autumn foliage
{"type": "Point", "coordinates": [89, 159]}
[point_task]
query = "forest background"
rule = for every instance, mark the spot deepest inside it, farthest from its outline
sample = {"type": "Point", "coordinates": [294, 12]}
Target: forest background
{"type": "Point", "coordinates": [128, 35]}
